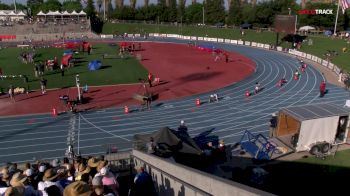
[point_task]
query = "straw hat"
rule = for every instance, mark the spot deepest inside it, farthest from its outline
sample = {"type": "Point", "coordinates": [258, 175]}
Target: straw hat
{"type": "Point", "coordinates": [83, 169]}
{"type": "Point", "coordinates": [93, 162]}
{"type": "Point", "coordinates": [18, 179]}
{"type": "Point", "coordinates": [101, 164]}
{"type": "Point", "coordinates": [50, 175]}
{"type": "Point", "coordinates": [77, 188]}
{"type": "Point", "coordinates": [5, 174]}
{"type": "Point", "coordinates": [14, 191]}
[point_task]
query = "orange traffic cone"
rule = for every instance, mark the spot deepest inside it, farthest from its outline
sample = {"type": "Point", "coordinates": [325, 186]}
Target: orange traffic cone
{"type": "Point", "coordinates": [54, 112]}
{"type": "Point", "coordinates": [247, 93]}
{"type": "Point", "coordinates": [198, 102]}
{"type": "Point", "coordinates": [303, 70]}
{"type": "Point", "coordinates": [295, 77]}
{"type": "Point", "coordinates": [126, 109]}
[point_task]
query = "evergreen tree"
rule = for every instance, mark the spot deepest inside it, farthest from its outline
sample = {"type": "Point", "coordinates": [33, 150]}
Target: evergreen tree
{"type": "Point", "coordinates": [235, 13]}
{"type": "Point", "coordinates": [90, 9]}
{"type": "Point", "coordinates": [215, 11]}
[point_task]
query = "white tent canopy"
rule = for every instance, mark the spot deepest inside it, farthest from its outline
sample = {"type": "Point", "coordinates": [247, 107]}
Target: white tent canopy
{"type": "Point", "coordinates": [82, 12]}
{"type": "Point", "coordinates": [41, 13]}
{"type": "Point", "coordinates": [306, 28]}
{"type": "Point", "coordinates": [74, 13]}
{"type": "Point", "coordinates": [65, 13]}
{"type": "Point", "coordinates": [21, 13]}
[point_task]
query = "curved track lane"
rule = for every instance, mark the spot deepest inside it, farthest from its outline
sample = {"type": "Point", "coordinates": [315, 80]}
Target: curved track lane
{"type": "Point", "coordinates": [43, 137]}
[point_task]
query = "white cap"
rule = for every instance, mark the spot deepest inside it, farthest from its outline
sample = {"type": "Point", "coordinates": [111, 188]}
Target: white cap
{"type": "Point", "coordinates": [29, 172]}
{"type": "Point", "coordinates": [42, 168]}
{"type": "Point", "coordinates": [103, 171]}
{"type": "Point", "coordinates": [182, 122]}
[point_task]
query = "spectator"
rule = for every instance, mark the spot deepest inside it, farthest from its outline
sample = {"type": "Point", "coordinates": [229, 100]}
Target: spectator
{"type": "Point", "coordinates": [143, 183]}
{"type": "Point", "coordinates": [49, 179]}
{"type": "Point", "coordinates": [5, 178]}
{"type": "Point", "coordinates": [150, 79]}
{"type": "Point", "coordinates": [20, 180]}
{"type": "Point", "coordinates": [53, 191]}
{"type": "Point", "coordinates": [151, 146]}
{"type": "Point", "coordinates": [322, 88]}
{"type": "Point", "coordinates": [77, 188]}
{"type": "Point", "coordinates": [43, 83]}
{"type": "Point", "coordinates": [12, 93]}
{"type": "Point", "coordinates": [182, 127]}
{"type": "Point", "coordinates": [109, 180]}
{"type": "Point", "coordinates": [273, 125]}
{"type": "Point", "coordinates": [98, 188]}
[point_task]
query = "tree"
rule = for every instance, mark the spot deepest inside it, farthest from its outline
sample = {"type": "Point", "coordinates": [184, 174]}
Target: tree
{"type": "Point", "coordinates": [90, 9]}
{"type": "Point", "coordinates": [193, 13]}
{"type": "Point", "coordinates": [215, 11]}
{"type": "Point", "coordinates": [109, 9]}
{"type": "Point", "coordinates": [34, 6]}
{"type": "Point", "coordinates": [99, 4]}
{"type": "Point", "coordinates": [72, 5]}
{"type": "Point", "coordinates": [4, 6]}
{"type": "Point", "coordinates": [53, 5]}
{"type": "Point", "coordinates": [172, 11]}
{"type": "Point", "coordinates": [235, 13]}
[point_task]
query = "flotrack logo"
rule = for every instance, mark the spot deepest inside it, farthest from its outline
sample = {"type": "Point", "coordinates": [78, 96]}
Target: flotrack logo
{"type": "Point", "coordinates": [316, 11]}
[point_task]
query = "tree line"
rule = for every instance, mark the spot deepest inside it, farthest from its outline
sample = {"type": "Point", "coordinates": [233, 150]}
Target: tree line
{"type": "Point", "coordinates": [259, 14]}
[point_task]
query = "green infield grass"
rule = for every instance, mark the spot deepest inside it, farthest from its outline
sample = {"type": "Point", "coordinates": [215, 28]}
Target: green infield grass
{"type": "Point", "coordinates": [113, 71]}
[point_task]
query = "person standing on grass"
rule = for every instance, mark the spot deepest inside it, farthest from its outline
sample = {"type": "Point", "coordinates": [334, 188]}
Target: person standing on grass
{"type": "Point", "coordinates": [62, 70]}
{"type": "Point", "coordinates": [43, 83]}
{"type": "Point", "coordinates": [12, 93]}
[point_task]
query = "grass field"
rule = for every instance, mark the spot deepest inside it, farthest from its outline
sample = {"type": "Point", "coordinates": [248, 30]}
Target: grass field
{"type": "Point", "coordinates": [320, 43]}
{"type": "Point", "coordinates": [341, 159]}
{"type": "Point", "coordinates": [113, 71]}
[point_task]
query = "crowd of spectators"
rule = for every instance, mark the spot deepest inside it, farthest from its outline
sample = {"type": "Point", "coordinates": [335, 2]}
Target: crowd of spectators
{"type": "Point", "coordinates": [77, 177]}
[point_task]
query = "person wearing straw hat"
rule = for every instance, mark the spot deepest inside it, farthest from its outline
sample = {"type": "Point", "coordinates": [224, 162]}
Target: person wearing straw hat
{"type": "Point", "coordinates": [93, 163]}
{"type": "Point", "coordinates": [77, 188]}
{"type": "Point", "coordinates": [14, 191]}
{"type": "Point", "coordinates": [49, 179]}
{"type": "Point", "coordinates": [5, 178]}
{"type": "Point", "coordinates": [83, 169]}
{"type": "Point", "coordinates": [101, 164]}
{"type": "Point", "coordinates": [20, 180]}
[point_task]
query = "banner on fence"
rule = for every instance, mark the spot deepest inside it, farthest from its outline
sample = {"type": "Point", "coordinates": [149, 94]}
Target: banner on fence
{"type": "Point", "coordinates": [234, 42]}
{"type": "Point", "coordinates": [193, 38]}
{"type": "Point", "coordinates": [211, 39]}
{"type": "Point", "coordinates": [240, 42]}
{"type": "Point", "coordinates": [330, 66]}
{"type": "Point", "coordinates": [173, 35]}
{"type": "Point", "coordinates": [187, 37]}
{"type": "Point", "coordinates": [227, 41]}
{"type": "Point", "coordinates": [267, 46]}
{"type": "Point", "coordinates": [220, 40]}
{"type": "Point", "coordinates": [200, 38]}
{"type": "Point", "coordinates": [279, 48]}
{"type": "Point", "coordinates": [308, 56]}
{"type": "Point", "coordinates": [254, 44]}
{"type": "Point", "coordinates": [106, 36]}
{"type": "Point", "coordinates": [247, 43]}
{"type": "Point", "coordinates": [319, 60]}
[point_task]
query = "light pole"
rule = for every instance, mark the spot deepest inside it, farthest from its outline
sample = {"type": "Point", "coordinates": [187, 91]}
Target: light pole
{"type": "Point", "coordinates": [104, 9]}
{"type": "Point", "coordinates": [203, 15]}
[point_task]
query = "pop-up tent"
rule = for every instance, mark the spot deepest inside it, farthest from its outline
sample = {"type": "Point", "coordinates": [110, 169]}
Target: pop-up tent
{"type": "Point", "coordinates": [313, 128]}
{"type": "Point", "coordinates": [94, 65]}
{"type": "Point", "coordinates": [171, 141]}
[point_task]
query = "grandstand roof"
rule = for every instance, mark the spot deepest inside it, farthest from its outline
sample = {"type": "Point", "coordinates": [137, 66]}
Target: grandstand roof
{"type": "Point", "coordinates": [74, 13]}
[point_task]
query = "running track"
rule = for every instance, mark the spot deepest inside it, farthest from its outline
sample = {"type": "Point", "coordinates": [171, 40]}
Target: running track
{"type": "Point", "coordinates": [43, 137]}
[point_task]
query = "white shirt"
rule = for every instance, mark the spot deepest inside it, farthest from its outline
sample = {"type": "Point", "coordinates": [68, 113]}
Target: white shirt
{"type": "Point", "coordinates": [45, 184]}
